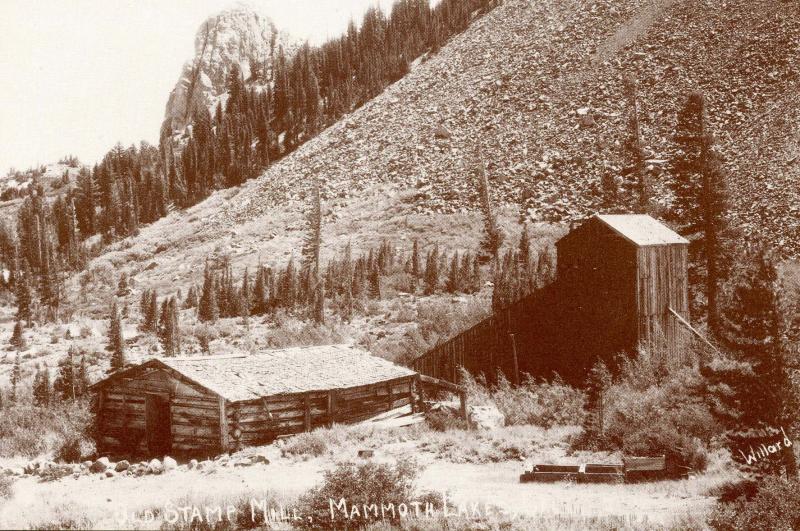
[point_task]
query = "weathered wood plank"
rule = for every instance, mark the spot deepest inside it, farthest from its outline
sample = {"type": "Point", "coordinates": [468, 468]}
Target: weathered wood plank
{"type": "Point", "coordinates": [196, 412]}
{"type": "Point", "coordinates": [307, 412]}
{"type": "Point", "coordinates": [195, 431]}
{"type": "Point", "coordinates": [223, 425]}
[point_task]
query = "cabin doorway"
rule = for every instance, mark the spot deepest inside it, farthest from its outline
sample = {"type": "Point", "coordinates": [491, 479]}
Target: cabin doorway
{"type": "Point", "coordinates": [157, 424]}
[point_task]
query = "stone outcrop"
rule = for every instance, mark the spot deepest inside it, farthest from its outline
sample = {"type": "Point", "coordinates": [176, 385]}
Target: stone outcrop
{"type": "Point", "coordinates": [240, 35]}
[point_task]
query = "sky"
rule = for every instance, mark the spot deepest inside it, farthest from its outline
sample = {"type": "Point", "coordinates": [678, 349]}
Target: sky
{"type": "Point", "coordinates": [77, 76]}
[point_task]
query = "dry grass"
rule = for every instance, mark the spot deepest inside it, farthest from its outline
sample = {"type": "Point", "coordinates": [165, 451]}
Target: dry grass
{"type": "Point", "coordinates": [30, 431]}
{"type": "Point", "coordinates": [511, 443]}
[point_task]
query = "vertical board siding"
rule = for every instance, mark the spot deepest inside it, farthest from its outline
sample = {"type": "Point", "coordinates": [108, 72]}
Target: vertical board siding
{"type": "Point", "coordinates": [610, 296]}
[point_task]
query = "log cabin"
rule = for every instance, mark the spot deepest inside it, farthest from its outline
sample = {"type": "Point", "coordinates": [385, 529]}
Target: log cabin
{"type": "Point", "coordinates": [621, 285]}
{"type": "Point", "coordinates": [207, 405]}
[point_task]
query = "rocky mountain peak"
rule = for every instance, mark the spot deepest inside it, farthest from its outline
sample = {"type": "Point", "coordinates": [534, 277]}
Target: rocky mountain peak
{"type": "Point", "coordinates": [241, 35]}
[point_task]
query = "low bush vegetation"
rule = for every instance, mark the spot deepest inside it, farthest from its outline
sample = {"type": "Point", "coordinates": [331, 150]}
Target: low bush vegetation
{"type": "Point", "coordinates": [533, 402]}
{"type": "Point", "coordinates": [539, 403]}
{"type": "Point", "coordinates": [62, 430]}
{"type": "Point", "coordinates": [371, 485]}
{"type": "Point", "coordinates": [651, 410]}
{"type": "Point", "coordinates": [5, 487]}
{"type": "Point", "coordinates": [308, 444]}
{"type": "Point", "coordinates": [776, 505]}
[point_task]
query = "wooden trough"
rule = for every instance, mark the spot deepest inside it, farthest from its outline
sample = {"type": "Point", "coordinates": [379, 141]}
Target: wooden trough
{"type": "Point", "coordinates": [631, 468]}
{"type": "Point", "coordinates": [588, 473]}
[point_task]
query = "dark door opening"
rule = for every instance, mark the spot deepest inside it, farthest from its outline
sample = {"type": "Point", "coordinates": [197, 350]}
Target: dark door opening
{"type": "Point", "coordinates": [157, 422]}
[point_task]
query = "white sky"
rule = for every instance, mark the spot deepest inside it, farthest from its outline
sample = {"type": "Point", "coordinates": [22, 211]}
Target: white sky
{"type": "Point", "coordinates": [76, 76]}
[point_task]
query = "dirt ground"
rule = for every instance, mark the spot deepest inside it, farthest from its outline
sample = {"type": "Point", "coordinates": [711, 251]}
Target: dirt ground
{"type": "Point", "coordinates": [122, 501]}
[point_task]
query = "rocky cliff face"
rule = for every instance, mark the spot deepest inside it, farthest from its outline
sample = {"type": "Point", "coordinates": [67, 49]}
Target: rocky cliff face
{"type": "Point", "coordinates": [241, 35]}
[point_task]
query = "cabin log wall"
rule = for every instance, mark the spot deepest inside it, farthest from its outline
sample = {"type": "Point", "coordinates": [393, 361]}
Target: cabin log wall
{"type": "Point", "coordinates": [261, 421]}
{"type": "Point", "coordinates": [194, 414]}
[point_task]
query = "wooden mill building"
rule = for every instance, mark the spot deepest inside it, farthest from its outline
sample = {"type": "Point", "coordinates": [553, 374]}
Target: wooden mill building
{"type": "Point", "coordinates": [621, 283]}
{"type": "Point", "coordinates": [213, 404]}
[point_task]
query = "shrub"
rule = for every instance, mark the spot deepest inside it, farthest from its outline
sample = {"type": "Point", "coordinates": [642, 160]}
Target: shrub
{"type": "Point", "coordinates": [539, 403]}
{"type": "Point", "coordinates": [731, 491]}
{"type": "Point", "coordinates": [306, 444]}
{"type": "Point", "coordinates": [5, 487]}
{"type": "Point", "coordinates": [445, 420]}
{"type": "Point", "coordinates": [359, 485]}
{"type": "Point", "coordinates": [27, 430]}
{"type": "Point", "coordinates": [70, 450]}
{"type": "Point", "coordinates": [775, 506]}
{"type": "Point", "coordinates": [669, 418]}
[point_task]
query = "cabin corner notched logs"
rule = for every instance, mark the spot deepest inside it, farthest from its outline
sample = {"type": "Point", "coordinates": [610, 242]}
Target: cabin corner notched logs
{"type": "Point", "coordinates": [213, 404]}
{"type": "Point", "coordinates": [619, 280]}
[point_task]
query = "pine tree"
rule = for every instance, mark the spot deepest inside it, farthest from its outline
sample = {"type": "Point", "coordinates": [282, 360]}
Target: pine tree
{"type": "Point", "coordinates": [465, 273]}
{"type": "Point", "coordinates": [144, 304]}
{"type": "Point", "coordinates": [191, 298]}
{"type": "Point", "coordinates": [245, 298]}
{"type": "Point", "coordinates": [82, 383]}
{"type": "Point", "coordinates": [165, 329]}
{"type": "Point", "coordinates": [598, 382]}
{"type": "Point", "coordinates": [168, 327]}
{"type": "Point", "coordinates": [176, 324]}
{"type": "Point", "coordinates": [432, 271]}
{"type": "Point", "coordinates": [208, 309]}
{"type": "Point", "coordinates": [18, 337]}
{"type": "Point", "coordinates": [311, 248]}
{"type": "Point", "coordinates": [475, 279]}
{"type": "Point", "coordinates": [634, 154]}
{"type": "Point", "coordinates": [319, 304]}
{"type": "Point", "coordinates": [493, 236]}
{"type": "Point", "coordinates": [753, 327]}
{"type": "Point", "coordinates": [16, 378]}
{"type": "Point", "coordinates": [41, 387]}
{"type": "Point", "coordinates": [64, 385]}
{"type": "Point", "coordinates": [454, 277]}
{"type": "Point", "coordinates": [259, 303]}
{"type": "Point", "coordinates": [122, 286]}
{"type": "Point", "coordinates": [544, 267]}
{"type": "Point", "coordinates": [415, 265]}
{"type": "Point", "coordinates": [24, 298]}
{"type": "Point", "coordinates": [716, 231]}
{"type": "Point", "coordinates": [524, 246]}
{"type": "Point", "coordinates": [150, 314]}
{"type": "Point", "coordinates": [688, 162]}
{"type": "Point", "coordinates": [375, 281]}
{"type": "Point", "coordinates": [347, 305]}
{"type": "Point", "coordinates": [288, 289]}
{"type": "Point", "coordinates": [116, 344]}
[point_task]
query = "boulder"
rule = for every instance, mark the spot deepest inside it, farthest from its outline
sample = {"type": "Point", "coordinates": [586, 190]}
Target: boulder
{"type": "Point", "coordinates": [122, 466]}
{"type": "Point", "coordinates": [155, 467]}
{"type": "Point", "coordinates": [486, 417]}
{"type": "Point", "coordinates": [169, 464]}
{"type": "Point", "coordinates": [110, 473]}
{"type": "Point", "coordinates": [259, 459]}
{"type": "Point", "coordinates": [193, 464]}
{"type": "Point", "coordinates": [99, 466]}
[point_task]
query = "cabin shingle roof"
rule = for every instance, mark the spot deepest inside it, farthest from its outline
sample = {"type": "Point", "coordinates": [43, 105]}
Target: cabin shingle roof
{"type": "Point", "coordinates": [642, 229]}
{"type": "Point", "coordinates": [284, 371]}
